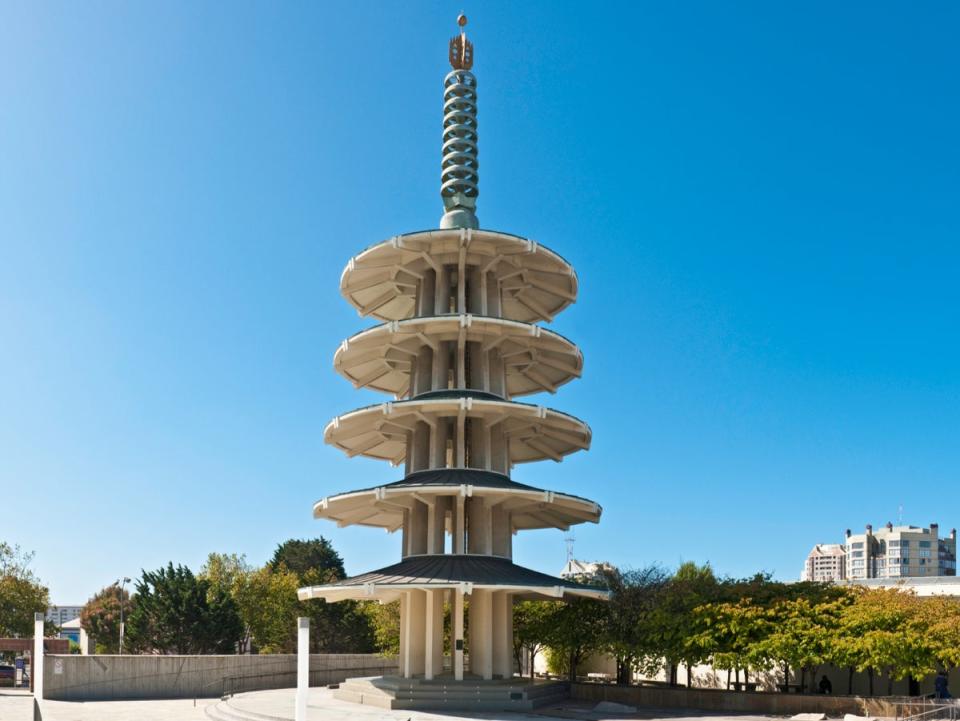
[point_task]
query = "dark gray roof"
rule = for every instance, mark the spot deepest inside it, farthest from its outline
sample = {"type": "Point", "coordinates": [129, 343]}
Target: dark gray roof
{"type": "Point", "coordinates": [458, 477]}
{"type": "Point", "coordinates": [446, 569]}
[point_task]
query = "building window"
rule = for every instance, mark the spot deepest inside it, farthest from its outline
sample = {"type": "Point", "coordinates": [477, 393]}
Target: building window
{"type": "Point", "coordinates": [924, 544]}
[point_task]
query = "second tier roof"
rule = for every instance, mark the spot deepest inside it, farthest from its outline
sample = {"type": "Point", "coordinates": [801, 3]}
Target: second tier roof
{"type": "Point", "coordinates": [535, 359]}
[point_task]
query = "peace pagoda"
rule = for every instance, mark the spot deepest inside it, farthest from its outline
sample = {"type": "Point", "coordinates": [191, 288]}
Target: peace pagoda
{"type": "Point", "coordinates": [458, 343]}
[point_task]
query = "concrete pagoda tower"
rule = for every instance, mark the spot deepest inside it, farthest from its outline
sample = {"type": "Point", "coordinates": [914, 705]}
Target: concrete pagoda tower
{"type": "Point", "coordinates": [458, 343]}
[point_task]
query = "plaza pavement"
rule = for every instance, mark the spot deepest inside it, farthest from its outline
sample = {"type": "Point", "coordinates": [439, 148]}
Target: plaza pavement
{"type": "Point", "coordinates": [322, 706]}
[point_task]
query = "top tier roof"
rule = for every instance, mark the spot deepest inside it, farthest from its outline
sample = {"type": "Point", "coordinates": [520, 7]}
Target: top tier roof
{"type": "Point", "coordinates": [382, 280]}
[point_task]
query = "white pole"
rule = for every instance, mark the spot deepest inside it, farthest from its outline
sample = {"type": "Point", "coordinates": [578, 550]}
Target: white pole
{"type": "Point", "coordinates": [303, 668]}
{"type": "Point", "coordinates": [36, 663]}
{"type": "Point", "coordinates": [458, 634]}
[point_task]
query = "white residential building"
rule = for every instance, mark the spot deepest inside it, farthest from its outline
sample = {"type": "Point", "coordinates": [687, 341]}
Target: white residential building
{"type": "Point", "coordinates": [825, 563]}
{"type": "Point", "coordinates": [896, 552]}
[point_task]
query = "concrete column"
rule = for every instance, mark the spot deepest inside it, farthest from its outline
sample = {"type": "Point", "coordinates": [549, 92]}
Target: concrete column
{"type": "Point", "coordinates": [443, 291]}
{"type": "Point", "coordinates": [503, 634]}
{"type": "Point", "coordinates": [481, 634]}
{"type": "Point", "coordinates": [478, 526]}
{"type": "Point", "coordinates": [36, 660]}
{"type": "Point", "coordinates": [436, 523]}
{"type": "Point", "coordinates": [502, 532]}
{"type": "Point", "coordinates": [441, 366]}
{"type": "Point", "coordinates": [303, 668]}
{"type": "Point", "coordinates": [404, 607]}
{"type": "Point", "coordinates": [84, 642]}
{"type": "Point", "coordinates": [458, 634]}
{"type": "Point", "coordinates": [458, 527]}
{"type": "Point", "coordinates": [423, 381]}
{"type": "Point", "coordinates": [493, 295]}
{"type": "Point", "coordinates": [417, 532]}
{"type": "Point", "coordinates": [433, 634]}
{"type": "Point", "coordinates": [427, 291]}
{"type": "Point", "coordinates": [413, 632]}
{"type": "Point", "coordinates": [475, 291]}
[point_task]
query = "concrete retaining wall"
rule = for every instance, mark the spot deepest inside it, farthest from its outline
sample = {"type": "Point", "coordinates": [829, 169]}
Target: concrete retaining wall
{"type": "Point", "coordinates": [776, 704]}
{"type": "Point", "coordinates": [98, 678]}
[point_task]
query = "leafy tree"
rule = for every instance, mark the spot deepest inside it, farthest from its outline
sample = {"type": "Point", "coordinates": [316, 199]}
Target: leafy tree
{"type": "Point", "coordinates": [173, 612]}
{"type": "Point", "coordinates": [578, 631]}
{"type": "Point", "coordinates": [533, 623]}
{"type": "Point", "coordinates": [21, 593]}
{"type": "Point", "coordinates": [224, 571]}
{"type": "Point", "coordinates": [316, 556]}
{"type": "Point", "coordinates": [668, 628]}
{"type": "Point", "coordinates": [269, 607]}
{"type": "Point", "coordinates": [100, 617]}
{"type": "Point", "coordinates": [384, 619]}
{"type": "Point", "coordinates": [632, 619]}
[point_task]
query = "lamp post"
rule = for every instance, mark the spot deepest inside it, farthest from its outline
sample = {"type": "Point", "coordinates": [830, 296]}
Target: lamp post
{"type": "Point", "coordinates": [122, 584]}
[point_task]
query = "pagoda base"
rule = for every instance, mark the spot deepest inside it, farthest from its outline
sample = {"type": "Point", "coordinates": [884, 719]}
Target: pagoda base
{"type": "Point", "coordinates": [394, 692]}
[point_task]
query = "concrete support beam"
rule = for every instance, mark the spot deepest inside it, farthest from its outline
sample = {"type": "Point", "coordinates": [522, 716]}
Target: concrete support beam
{"type": "Point", "coordinates": [433, 628]}
{"type": "Point", "coordinates": [481, 634]}
{"type": "Point", "coordinates": [503, 634]}
{"type": "Point", "coordinates": [413, 609]}
{"type": "Point", "coordinates": [458, 634]}
{"type": "Point", "coordinates": [303, 668]}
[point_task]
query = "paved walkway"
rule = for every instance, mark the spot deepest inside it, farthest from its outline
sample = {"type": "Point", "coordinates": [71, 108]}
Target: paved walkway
{"type": "Point", "coordinates": [16, 705]}
{"type": "Point", "coordinates": [321, 707]}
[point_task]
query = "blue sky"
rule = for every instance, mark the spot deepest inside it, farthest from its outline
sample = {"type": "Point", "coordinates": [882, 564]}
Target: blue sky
{"type": "Point", "coordinates": [761, 201]}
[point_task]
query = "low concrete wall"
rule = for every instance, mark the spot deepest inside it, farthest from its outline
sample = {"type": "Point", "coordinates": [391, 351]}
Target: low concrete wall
{"type": "Point", "coordinates": [775, 704]}
{"type": "Point", "coordinates": [100, 678]}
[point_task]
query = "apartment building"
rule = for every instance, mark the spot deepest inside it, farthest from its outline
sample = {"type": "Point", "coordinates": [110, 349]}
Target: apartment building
{"type": "Point", "coordinates": [825, 563]}
{"type": "Point", "coordinates": [900, 552]}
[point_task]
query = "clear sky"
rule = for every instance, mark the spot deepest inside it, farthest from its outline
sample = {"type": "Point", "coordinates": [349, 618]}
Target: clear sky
{"type": "Point", "coordinates": [761, 201]}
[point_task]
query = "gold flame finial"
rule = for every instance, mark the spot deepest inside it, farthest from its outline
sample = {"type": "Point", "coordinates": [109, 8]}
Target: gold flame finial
{"type": "Point", "coordinates": [461, 49]}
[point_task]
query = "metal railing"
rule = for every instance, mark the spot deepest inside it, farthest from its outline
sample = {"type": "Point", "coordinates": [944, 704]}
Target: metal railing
{"type": "Point", "coordinates": [927, 709]}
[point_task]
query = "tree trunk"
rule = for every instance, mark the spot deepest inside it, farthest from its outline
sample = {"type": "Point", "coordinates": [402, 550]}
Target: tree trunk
{"type": "Point", "coordinates": [573, 667]}
{"type": "Point", "coordinates": [689, 677]}
{"type": "Point", "coordinates": [533, 656]}
{"type": "Point", "coordinates": [728, 679]}
{"type": "Point", "coordinates": [870, 676]}
{"type": "Point", "coordinates": [889, 682]}
{"type": "Point", "coordinates": [673, 674]}
{"type": "Point", "coordinates": [850, 681]}
{"type": "Point", "coordinates": [786, 677]}
{"type": "Point", "coordinates": [803, 679]}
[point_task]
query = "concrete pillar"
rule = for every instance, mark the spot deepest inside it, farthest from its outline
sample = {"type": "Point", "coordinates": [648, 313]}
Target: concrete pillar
{"type": "Point", "coordinates": [84, 642]}
{"type": "Point", "coordinates": [481, 634]}
{"type": "Point", "coordinates": [475, 299]}
{"type": "Point", "coordinates": [478, 525]}
{"type": "Point", "coordinates": [303, 668]}
{"type": "Point", "coordinates": [458, 527]}
{"type": "Point", "coordinates": [458, 634]}
{"type": "Point", "coordinates": [442, 288]}
{"type": "Point", "coordinates": [427, 293]}
{"type": "Point", "coordinates": [417, 533]}
{"type": "Point", "coordinates": [404, 607]}
{"type": "Point", "coordinates": [36, 660]}
{"type": "Point", "coordinates": [412, 623]}
{"type": "Point", "coordinates": [503, 634]}
{"type": "Point", "coordinates": [493, 295]}
{"type": "Point", "coordinates": [424, 378]}
{"type": "Point", "coordinates": [436, 523]}
{"type": "Point", "coordinates": [502, 532]}
{"type": "Point", "coordinates": [433, 634]}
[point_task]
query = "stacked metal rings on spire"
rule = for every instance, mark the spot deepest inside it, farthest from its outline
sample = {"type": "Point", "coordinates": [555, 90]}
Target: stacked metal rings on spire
{"type": "Point", "coordinates": [460, 168]}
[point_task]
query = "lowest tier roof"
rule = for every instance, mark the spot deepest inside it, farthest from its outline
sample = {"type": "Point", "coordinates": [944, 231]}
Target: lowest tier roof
{"type": "Point", "coordinates": [529, 507]}
{"type": "Point", "coordinates": [382, 280]}
{"type": "Point", "coordinates": [451, 571]}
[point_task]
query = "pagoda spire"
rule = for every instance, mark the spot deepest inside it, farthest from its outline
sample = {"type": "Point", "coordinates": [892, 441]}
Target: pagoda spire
{"type": "Point", "coordinates": [459, 175]}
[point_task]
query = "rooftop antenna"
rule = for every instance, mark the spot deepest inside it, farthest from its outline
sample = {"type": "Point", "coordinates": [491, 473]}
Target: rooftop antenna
{"type": "Point", "coordinates": [570, 539]}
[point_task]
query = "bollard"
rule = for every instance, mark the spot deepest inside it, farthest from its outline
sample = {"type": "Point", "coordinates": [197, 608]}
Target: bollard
{"type": "Point", "coordinates": [303, 668]}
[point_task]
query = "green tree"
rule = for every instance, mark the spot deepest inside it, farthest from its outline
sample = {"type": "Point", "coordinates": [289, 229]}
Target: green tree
{"type": "Point", "coordinates": [315, 556]}
{"type": "Point", "coordinates": [100, 617]}
{"type": "Point", "coordinates": [384, 619]}
{"type": "Point", "coordinates": [578, 630]}
{"type": "Point", "coordinates": [269, 608]}
{"type": "Point", "coordinates": [632, 616]}
{"type": "Point", "coordinates": [533, 623]}
{"type": "Point", "coordinates": [667, 632]}
{"type": "Point", "coordinates": [21, 593]}
{"type": "Point", "coordinates": [173, 612]}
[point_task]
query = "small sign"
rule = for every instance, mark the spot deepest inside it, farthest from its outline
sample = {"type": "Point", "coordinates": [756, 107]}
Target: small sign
{"type": "Point", "coordinates": [58, 667]}
{"type": "Point", "coordinates": [459, 644]}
